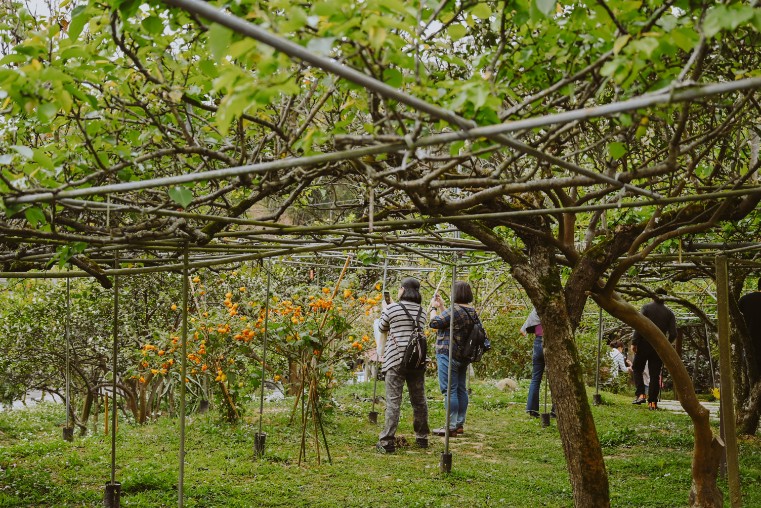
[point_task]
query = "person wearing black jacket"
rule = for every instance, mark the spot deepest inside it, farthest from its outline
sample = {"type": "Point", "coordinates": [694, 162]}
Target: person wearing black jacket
{"type": "Point", "coordinates": [664, 319]}
{"type": "Point", "coordinates": [750, 306]}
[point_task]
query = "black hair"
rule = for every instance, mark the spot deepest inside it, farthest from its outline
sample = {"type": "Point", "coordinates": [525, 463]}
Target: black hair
{"type": "Point", "coordinates": [411, 290]}
{"type": "Point", "coordinates": [658, 297]}
{"type": "Point", "coordinates": [462, 292]}
{"type": "Point", "coordinates": [616, 344]}
{"type": "Point", "coordinates": [759, 284]}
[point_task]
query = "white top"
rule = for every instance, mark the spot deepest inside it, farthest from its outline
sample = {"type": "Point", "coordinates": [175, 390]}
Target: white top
{"type": "Point", "coordinates": [531, 320]}
{"type": "Point", "coordinates": [399, 327]}
{"type": "Point", "coordinates": [619, 362]}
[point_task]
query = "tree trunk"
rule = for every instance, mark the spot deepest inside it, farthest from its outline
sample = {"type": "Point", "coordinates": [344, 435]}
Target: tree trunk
{"type": "Point", "coordinates": [294, 377]}
{"type": "Point", "coordinates": [704, 492]}
{"type": "Point", "coordinates": [86, 408]}
{"type": "Point", "coordinates": [749, 413]}
{"type": "Point", "coordinates": [583, 454]}
{"type": "Point", "coordinates": [539, 275]}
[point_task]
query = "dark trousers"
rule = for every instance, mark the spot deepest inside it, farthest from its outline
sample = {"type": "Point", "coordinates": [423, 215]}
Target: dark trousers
{"type": "Point", "coordinates": [396, 377]}
{"type": "Point", "coordinates": [654, 365]}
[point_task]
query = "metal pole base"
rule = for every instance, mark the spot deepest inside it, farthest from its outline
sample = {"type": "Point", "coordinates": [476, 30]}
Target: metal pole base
{"type": "Point", "coordinates": [596, 399]}
{"type": "Point", "coordinates": [112, 495]}
{"type": "Point", "coordinates": [259, 440]}
{"type": "Point", "coordinates": [545, 419]}
{"type": "Point", "coordinates": [446, 462]}
{"type": "Point", "coordinates": [68, 434]}
{"type": "Point", "coordinates": [373, 416]}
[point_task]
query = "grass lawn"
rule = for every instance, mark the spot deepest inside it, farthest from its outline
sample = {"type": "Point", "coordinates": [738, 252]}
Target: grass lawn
{"type": "Point", "coordinates": [504, 459]}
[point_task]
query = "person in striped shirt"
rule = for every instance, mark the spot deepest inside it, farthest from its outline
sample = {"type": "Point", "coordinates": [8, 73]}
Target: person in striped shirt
{"type": "Point", "coordinates": [396, 327]}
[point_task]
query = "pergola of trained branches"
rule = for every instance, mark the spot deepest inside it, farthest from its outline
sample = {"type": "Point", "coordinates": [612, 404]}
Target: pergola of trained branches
{"type": "Point", "coordinates": [574, 140]}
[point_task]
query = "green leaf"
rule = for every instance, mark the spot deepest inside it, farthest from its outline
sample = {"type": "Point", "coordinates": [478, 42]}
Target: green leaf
{"type": "Point", "coordinates": [41, 158]}
{"type": "Point", "coordinates": [240, 48]}
{"type": "Point", "coordinates": [35, 216]}
{"type": "Point", "coordinates": [128, 8]}
{"type": "Point", "coordinates": [724, 17]}
{"type": "Point", "coordinates": [153, 25]}
{"type": "Point", "coordinates": [616, 150]}
{"type": "Point", "coordinates": [481, 10]}
{"type": "Point", "coordinates": [646, 46]}
{"type": "Point", "coordinates": [46, 112]}
{"type": "Point", "coordinates": [181, 196]}
{"type": "Point", "coordinates": [79, 16]}
{"type": "Point", "coordinates": [75, 52]}
{"type": "Point", "coordinates": [456, 31]}
{"type": "Point", "coordinates": [377, 36]}
{"type": "Point", "coordinates": [321, 45]}
{"type": "Point", "coordinates": [546, 7]}
{"type": "Point", "coordinates": [219, 40]}
{"type": "Point", "coordinates": [620, 43]}
{"type": "Point", "coordinates": [393, 77]}
{"type": "Point", "coordinates": [13, 58]}
{"type": "Point", "coordinates": [24, 151]}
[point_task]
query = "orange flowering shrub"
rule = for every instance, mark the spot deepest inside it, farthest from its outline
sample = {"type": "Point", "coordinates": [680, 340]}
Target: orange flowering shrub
{"type": "Point", "coordinates": [312, 330]}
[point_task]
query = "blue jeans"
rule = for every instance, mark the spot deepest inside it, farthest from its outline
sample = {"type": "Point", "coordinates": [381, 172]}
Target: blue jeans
{"type": "Point", "coordinates": [537, 360]}
{"type": "Point", "coordinates": [458, 394]}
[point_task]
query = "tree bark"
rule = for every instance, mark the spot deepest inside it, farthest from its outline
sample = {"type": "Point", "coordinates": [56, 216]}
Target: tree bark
{"type": "Point", "coordinates": [581, 446]}
{"type": "Point", "coordinates": [704, 492]}
{"type": "Point", "coordinates": [539, 276]}
{"type": "Point", "coordinates": [749, 414]}
{"type": "Point", "coordinates": [86, 408]}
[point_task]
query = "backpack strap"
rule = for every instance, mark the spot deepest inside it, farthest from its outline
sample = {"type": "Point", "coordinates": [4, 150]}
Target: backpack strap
{"type": "Point", "coordinates": [465, 310]}
{"type": "Point", "coordinates": [415, 322]}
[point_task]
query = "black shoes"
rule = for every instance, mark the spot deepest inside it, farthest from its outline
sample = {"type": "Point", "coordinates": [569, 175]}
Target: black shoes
{"type": "Point", "coordinates": [640, 400]}
{"type": "Point", "coordinates": [652, 406]}
{"type": "Point", "coordinates": [421, 442]}
{"type": "Point", "coordinates": [390, 448]}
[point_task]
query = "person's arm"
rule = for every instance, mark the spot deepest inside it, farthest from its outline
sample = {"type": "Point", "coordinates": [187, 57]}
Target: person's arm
{"type": "Point", "coordinates": [440, 321]}
{"type": "Point", "coordinates": [672, 328]}
{"type": "Point", "coordinates": [620, 361]}
{"type": "Point", "coordinates": [383, 328]}
{"type": "Point", "coordinates": [531, 321]}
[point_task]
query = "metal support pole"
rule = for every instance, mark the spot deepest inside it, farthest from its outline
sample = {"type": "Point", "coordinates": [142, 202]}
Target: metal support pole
{"type": "Point", "coordinates": [725, 366]}
{"type": "Point", "coordinates": [113, 488]}
{"type": "Point", "coordinates": [260, 437]}
{"type": "Point", "coordinates": [183, 374]}
{"type": "Point", "coordinates": [597, 398]}
{"type": "Point", "coordinates": [68, 431]}
{"type": "Point", "coordinates": [710, 358]}
{"type": "Point", "coordinates": [446, 457]}
{"type": "Point", "coordinates": [373, 415]}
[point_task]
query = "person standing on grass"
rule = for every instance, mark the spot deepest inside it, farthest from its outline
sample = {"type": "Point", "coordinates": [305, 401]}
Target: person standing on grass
{"type": "Point", "coordinates": [465, 317]}
{"type": "Point", "coordinates": [750, 307]}
{"type": "Point", "coordinates": [395, 324]}
{"type": "Point", "coordinates": [534, 325]}
{"type": "Point", "coordinates": [664, 319]}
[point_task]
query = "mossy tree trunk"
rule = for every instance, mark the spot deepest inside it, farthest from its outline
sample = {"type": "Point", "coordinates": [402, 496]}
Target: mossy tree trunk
{"type": "Point", "coordinates": [540, 277]}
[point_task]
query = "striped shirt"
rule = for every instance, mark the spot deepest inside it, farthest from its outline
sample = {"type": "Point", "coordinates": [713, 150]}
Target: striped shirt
{"type": "Point", "coordinates": [399, 327]}
{"type": "Point", "coordinates": [462, 326]}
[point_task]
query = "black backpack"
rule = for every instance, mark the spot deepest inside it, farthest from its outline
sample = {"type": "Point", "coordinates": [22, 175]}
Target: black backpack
{"type": "Point", "coordinates": [474, 346]}
{"type": "Point", "coordinates": [417, 347]}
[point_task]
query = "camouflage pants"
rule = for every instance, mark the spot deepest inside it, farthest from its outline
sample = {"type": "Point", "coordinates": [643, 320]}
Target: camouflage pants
{"type": "Point", "coordinates": [395, 379]}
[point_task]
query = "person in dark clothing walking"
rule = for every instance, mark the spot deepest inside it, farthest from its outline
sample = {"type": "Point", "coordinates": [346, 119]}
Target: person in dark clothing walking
{"type": "Point", "coordinates": [664, 319]}
{"type": "Point", "coordinates": [750, 306]}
